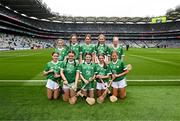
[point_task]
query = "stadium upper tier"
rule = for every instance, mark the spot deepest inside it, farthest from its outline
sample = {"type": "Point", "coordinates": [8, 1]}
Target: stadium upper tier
{"type": "Point", "coordinates": [16, 23]}
{"type": "Point", "coordinates": [38, 9]}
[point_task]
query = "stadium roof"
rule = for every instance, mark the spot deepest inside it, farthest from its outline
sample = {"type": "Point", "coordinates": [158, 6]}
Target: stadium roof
{"type": "Point", "coordinates": [34, 8]}
{"type": "Point", "coordinates": [38, 9]}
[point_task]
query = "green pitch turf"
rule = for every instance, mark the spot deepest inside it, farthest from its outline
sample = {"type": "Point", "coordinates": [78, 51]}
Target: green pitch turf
{"type": "Point", "coordinates": [148, 64]}
{"type": "Point", "coordinates": [142, 103]}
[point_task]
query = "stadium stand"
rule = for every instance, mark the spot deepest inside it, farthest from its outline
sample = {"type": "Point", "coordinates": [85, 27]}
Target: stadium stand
{"type": "Point", "coordinates": [13, 42]}
{"type": "Point", "coordinates": [137, 32]}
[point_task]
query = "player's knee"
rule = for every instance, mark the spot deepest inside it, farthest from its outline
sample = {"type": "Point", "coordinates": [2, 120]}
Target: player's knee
{"type": "Point", "coordinates": [49, 97]}
{"type": "Point", "coordinates": [122, 96]}
{"type": "Point", "coordinates": [65, 98]}
{"type": "Point", "coordinates": [72, 100]}
{"type": "Point", "coordinates": [56, 97]}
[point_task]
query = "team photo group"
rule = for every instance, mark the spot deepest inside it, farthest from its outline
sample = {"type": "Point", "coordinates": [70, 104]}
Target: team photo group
{"type": "Point", "coordinates": [93, 72]}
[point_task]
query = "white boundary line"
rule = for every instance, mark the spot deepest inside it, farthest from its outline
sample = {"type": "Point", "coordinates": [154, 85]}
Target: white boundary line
{"type": "Point", "coordinates": [156, 60]}
{"type": "Point", "coordinates": [38, 81]}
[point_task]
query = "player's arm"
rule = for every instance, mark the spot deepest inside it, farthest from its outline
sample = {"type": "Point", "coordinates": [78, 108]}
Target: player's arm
{"type": "Point", "coordinates": [122, 54]}
{"type": "Point", "coordinates": [80, 57]}
{"type": "Point", "coordinates": [63, 77]}
{"type": "Point", "coordinates": [122, 74]}
{"type": "Point", "coordinates": [125, 71]}
{"type": "Point", "coordinates": [47, 70]}
{"type": "Point", "coordinates": [57, 73]}
{"type": "Point", "coordinates": [84, 80]}
{"type": "Point", "coordinates": [76, 78]}
{"type": "Point", "coordinates": [104, 77]}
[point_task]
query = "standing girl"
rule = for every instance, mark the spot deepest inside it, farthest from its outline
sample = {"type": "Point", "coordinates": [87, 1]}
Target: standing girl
{"type": "Point", "coordinates": [61, 49]}
{"type": "Point", "coordinates": [74, 46]}
{"type": "Point", "coordinates": [87, 48]}
{"type": "Point", "coordinates": [117, 47]}
{"type": "Point", "coordinates": [102, 48]}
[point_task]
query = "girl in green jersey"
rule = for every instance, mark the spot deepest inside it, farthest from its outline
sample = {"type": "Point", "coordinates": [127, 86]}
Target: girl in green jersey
{"type": "Point", "coordinates": [70, 76]}
{"type": "Point", "coordinates": [118, 72]}
{"type": "Point", "coordinates": [102, 75]}
{"type": "Point", "coordinates": [74, 46]}
{"type": "Point", "coordinates": [51, 69]}
{"type": "Point", "coordinates": [61, 48]}
{"type": "Point", "coordinates": [116, 47]}
{"type": "Point", "coordinates": [87, 48]}
{"type": "Point", "coordinates": [102, 48]}
{"type": "Point", "coordinates": [87, 74]}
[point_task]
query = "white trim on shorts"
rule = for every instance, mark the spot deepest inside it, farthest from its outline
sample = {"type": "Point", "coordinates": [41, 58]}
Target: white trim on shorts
{"type": "Point", "coordinates": [87, 89]}
{"type": "Point", "coordinates": [68, 87]}
{"type": "Point", "coordinates": [119, 84]}
{"type": "Point", "coordinates": [52, 84]}
{"type": "Point", "coordinates": [101, 86]}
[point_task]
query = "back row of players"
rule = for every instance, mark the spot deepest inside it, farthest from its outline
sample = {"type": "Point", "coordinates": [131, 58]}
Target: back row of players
{"type": "Point", "coordinates": [86, 63]}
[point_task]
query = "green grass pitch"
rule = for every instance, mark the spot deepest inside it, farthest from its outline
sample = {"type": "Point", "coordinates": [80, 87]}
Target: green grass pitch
{"type": "Point", "coordinates": [148, 64]}
{"type": "Point", "coordinates": [20, 101]}
{"type": "Point", "coordinates": [142, 103]}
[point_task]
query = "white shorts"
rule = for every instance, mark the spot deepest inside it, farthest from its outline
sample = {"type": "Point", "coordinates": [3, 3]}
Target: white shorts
{"type": "Point", "coordinates": [119, 84]}
{"type": "Point", "coordinates": [68, 86]}
{"type": "Point", "coordinates": [52, 84]}
{"type": "Point", "coordinates": [101, 86]}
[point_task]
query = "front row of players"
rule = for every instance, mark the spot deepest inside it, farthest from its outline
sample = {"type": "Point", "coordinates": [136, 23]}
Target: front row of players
{"type": "Point", "coordinates": [70, 72]}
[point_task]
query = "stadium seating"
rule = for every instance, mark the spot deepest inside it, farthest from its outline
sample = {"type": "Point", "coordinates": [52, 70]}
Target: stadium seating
{"type": "Point", "coordinates": [136, 35]}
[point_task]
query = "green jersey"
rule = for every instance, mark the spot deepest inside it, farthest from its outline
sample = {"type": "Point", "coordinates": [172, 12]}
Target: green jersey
{"type": "Point", "coordinates": [118, 49]}
{"type": "Point", "coordinates": [102, 49]}
{"type": "Point", "coordinates": [100, 70]}
{"type": "Point", "coordinates": [87, 71]}
{"type": "Point", "coordinates": [55, 67]}
{"type": "Point", "coordinates": [87, 49]}
{"type": "Point", "coordinates": [117, 68]}
{"type": "Point", "coordinates": [70, 69]}
{"type": "Point", "coordinates": [62, 53]}
{"type": "Point", "coordinates": [76, 49]}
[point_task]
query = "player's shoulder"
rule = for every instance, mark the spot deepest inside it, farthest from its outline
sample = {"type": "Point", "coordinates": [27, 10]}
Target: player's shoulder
{"type": "Point", "coordinates": [48, 63]}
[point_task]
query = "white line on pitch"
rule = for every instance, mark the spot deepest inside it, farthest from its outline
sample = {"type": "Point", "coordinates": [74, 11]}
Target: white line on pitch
{"type": "Point", "coordinates": [156, 60]}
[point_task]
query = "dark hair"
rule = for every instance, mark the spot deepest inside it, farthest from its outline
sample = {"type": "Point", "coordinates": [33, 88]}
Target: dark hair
{"type": "Point", "coordinates": [114, 52]}
{"type": "Point", "coordinates": [105, 65]}
{"type": "Point", "coordinates": [71, 38]}
{"type": "Point", "coordinates": [71, 51]}
{"type": "Point", "coordinates": [88, 35]}
{"type": "Point", "coordinates": [71, 42]}
{"type": "Point", "coordinates": [54, 53]}
{"type": "Point", "coordinates": [88, 54]}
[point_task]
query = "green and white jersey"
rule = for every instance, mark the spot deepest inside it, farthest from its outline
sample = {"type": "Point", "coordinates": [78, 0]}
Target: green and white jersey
{"type": "Point", "coordinates": [102, 49]}
{"type": "Point", "coordinates": [62, 53]}
{"type": "Point", "coordinates": [119, 49]}
{"type": "Point", "coordinates": [87, 49]}
{"type": "Point", "coordinates": [76, 49]}
{"type": "Point", "coordinates": [70, 69]}
{"type": "Point", "coordinates": [87, 71]}
{"type": "Point", "coordinates": [100, 70]}
{"type": "Point", "coordinates": [54, 66]}
{"type": "Point", "coordinates": [117, 68]}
